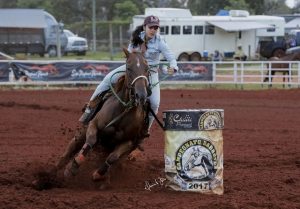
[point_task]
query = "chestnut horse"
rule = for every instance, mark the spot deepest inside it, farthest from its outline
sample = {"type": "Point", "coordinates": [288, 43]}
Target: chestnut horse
{"type": "Point", "coordinates": [119, 125]}
{"type": "Point", "coordinates": [281, 67]}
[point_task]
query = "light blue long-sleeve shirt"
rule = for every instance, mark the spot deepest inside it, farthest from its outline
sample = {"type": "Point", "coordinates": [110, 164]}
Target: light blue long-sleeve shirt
{"type": "Point", "coordinates": [155, 46]}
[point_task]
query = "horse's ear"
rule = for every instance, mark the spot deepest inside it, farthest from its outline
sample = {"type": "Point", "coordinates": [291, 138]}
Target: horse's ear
{"type": "Point", "coordinates": [126, 52]}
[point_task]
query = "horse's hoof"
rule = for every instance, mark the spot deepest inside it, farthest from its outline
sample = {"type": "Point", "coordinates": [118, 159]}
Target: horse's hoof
{"type": "Point", "coordinates": [134, 154]}
{"type": "Point", "coordinates": [97, 176]}
{"type": "Point", "coordinates": [141, 147]}
{"type": "Point", "coordinates": [71, 169]}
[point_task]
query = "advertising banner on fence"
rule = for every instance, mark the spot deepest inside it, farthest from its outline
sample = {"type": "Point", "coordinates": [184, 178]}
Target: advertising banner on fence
{"type": "Point", "coordinates": [65, 71]}
{"type": "Point", "coordinates": [94, 71]}
{"type": "Point", "coordinates": [188, 71]}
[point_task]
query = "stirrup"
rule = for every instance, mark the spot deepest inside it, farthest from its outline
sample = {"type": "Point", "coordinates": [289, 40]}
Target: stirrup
{"type": "Point", "coordinates": [86, 117]}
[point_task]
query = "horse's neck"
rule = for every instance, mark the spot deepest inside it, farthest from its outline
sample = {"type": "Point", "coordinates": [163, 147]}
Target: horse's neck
{"type": "Point", "coordinates": [292, 57]}
{"type": "Point", "coordinates": [124, 92]}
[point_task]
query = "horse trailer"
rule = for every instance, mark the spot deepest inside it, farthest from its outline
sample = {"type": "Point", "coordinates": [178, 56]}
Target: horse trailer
{"type": "Point", "coordinates": [33, 31]}
{"type": "Point", "coordinates": [194, 37]}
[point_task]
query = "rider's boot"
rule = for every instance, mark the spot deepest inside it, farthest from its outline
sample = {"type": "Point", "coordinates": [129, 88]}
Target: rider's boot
{"type": "Point", "coordinates": [92, 107]}
{"type": "Point", "coordinates": [88, 113]}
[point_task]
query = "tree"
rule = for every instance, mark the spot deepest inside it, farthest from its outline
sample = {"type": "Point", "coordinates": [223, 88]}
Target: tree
{"type": "Point", "coordinates": [273, 7]}
{"type": "Point", "coordinates": [8, 4]}
{"type": "Point", "coordinates": [125, 10]}
{"type": "Point", "coordinates": [206, 7]}
{"type": "Point", "coordinates": [257, 6]}
{"type": "Point", "coordinates": [237, 5]}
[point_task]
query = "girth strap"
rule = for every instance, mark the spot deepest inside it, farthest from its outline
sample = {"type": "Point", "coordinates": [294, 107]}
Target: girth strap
{"type": "Point", "coordinates": [118, 117]}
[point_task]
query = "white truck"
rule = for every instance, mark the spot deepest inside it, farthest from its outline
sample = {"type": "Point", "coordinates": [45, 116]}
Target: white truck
{"type": "Point", "coordinates": [76, 44]}
{"type": "Point", "coordinates": [193, 37]}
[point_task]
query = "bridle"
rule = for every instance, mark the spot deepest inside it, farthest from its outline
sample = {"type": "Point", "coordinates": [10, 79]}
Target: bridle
{"type": "Point", "coordinates": [130, 86]}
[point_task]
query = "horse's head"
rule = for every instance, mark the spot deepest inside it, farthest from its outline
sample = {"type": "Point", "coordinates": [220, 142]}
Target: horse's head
{"type": "Point", "coordinates": [137, 75]}
{"type": "Point", "coordinates": [191, 162]}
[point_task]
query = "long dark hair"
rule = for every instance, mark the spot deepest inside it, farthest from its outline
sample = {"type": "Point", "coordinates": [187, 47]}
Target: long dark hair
{"type": "Point", "coordinates": [135, 37]}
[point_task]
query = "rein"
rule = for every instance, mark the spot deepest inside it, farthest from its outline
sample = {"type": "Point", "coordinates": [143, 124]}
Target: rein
{"type": "Point", "coordinates": [129, 104]}
{"type": "Point", "coordinates": [164, 78]}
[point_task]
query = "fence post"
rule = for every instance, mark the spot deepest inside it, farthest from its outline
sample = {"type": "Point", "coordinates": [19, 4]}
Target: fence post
{"type": "Point", "coordinates": [242, 75]}
{"type": "Point", "coordinates": [298, 74]}
{"type": "Point", "coordinates": [235, 73]}
{"type": "Point", "coordinates": [111, 41]}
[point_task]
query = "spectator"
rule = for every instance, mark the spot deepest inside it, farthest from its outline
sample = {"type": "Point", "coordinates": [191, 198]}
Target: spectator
{"type": "Point", "coordinates": [217, 56]}
{"type": "Point", "coordinates": [292, 42]}
{"type": "Point", "coordinates": [239, 54]}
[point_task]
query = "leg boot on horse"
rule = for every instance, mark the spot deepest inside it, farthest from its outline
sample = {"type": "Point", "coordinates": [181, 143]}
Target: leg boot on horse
{"type": "Point", "coordinates": [91, 139]}
{"type": "Point", "coordinates": [73, 166]}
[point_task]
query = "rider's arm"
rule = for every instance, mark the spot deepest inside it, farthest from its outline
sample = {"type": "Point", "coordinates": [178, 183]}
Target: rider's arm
{"type": "Point", "coordinates": [165, 50]}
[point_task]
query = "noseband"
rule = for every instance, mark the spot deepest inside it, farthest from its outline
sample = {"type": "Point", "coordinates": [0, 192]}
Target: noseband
{"type": "Point", "coordinates": [141, 76]}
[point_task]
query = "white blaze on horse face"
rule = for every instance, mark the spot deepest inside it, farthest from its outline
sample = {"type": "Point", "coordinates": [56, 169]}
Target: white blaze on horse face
{"type": "Point", "coordinates": [138, 62]}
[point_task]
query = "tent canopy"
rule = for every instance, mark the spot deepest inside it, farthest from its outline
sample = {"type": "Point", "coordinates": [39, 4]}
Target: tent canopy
{"type": "Point", "coordinates": [239, 25]}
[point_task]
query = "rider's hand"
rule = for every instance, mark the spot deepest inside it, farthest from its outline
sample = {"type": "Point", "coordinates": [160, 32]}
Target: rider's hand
{"type": "Point", "coordinates": [171, 71]}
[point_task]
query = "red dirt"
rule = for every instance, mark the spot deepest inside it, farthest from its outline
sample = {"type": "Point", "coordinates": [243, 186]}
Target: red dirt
{"type": "Point", "coordinates": [261, 152]}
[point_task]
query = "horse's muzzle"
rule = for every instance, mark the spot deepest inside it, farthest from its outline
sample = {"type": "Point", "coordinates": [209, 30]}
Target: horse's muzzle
{"type": "Point", "coordinates": [140, 99]}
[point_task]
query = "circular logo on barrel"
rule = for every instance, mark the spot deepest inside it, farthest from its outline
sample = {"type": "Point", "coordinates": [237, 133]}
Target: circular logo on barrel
{"type": "Point", "coordinates": [196, 159]}
{"type": "Point", "coordinates": [210, 120]}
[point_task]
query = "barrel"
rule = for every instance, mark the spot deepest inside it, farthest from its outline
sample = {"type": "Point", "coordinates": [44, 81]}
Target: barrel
{"type": "Point", "coordinates": [194, 150]}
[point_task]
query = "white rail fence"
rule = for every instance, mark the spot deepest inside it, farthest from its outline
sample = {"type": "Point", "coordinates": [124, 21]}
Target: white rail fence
{"type": "Point", "coordinates": [227, 72]}
{"type": "Point", "coordinates": [257, 72]}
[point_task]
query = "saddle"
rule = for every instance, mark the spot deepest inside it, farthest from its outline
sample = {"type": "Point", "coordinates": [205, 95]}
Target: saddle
{"type": "Point", "coordinates": [94, 106]}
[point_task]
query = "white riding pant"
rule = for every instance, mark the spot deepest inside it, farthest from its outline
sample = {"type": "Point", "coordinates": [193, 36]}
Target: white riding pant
{"type": "Point", "coordinates": [153, 80]}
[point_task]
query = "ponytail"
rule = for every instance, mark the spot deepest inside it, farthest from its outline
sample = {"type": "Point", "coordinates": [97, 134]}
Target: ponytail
{"type": "Point", "coordinates": [135, 37]}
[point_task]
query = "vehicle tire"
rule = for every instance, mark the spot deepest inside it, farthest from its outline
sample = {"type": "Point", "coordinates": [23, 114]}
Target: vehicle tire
{"type": "Point", "coordinates": [52, 52]}
{"type": "Point", "coordinates": [195, 56]}
{"type": "Point", "coordinates": [183, 57]}
{"type": "Point", "coordinates": [278, 53]}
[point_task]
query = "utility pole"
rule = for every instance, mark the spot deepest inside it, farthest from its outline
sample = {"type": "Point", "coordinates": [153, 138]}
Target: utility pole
{"type": "Point", "coordinates": [58, 42]}
{"type": "Point", "coordinates": [94, 26]}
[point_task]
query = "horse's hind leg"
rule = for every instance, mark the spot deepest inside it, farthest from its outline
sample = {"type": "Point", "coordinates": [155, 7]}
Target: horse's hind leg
{"type": "Point", "coordinates": [266, 79]}
{"type": "Point", "coordinates": [73, 147]}
{"type": "Point", "coordinates": [120, 150]}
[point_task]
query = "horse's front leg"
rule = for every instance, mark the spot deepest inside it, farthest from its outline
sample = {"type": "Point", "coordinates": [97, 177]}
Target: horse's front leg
{"type": "Point", "coordinates": [91, 139]}
{"type": "Point", "coordinates": [72, 148]}
{"type": "Point", "coordinates": [124, 148]}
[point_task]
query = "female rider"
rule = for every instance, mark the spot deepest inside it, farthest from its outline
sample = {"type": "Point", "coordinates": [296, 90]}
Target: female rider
{"type": "Point", "coordinates": [146, 33]}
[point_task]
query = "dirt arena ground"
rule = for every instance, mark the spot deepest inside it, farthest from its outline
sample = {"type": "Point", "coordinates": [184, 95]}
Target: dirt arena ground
{"type": "Point", "coordinates": [261, 152]}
